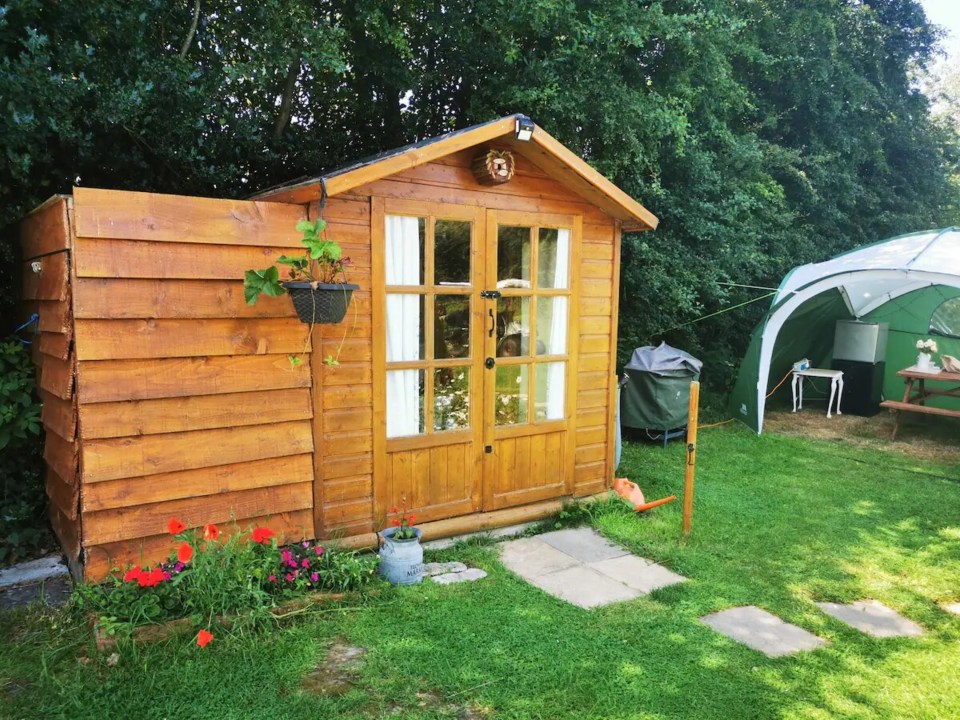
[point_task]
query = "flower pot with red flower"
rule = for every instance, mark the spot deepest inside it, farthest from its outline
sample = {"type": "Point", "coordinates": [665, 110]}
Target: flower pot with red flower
{"type": "Point", "coordinates": [401, 555]}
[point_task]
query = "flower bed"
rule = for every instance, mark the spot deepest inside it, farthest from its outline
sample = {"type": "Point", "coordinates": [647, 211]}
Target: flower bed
{"type": "Point", "coordinates": [214, 578]}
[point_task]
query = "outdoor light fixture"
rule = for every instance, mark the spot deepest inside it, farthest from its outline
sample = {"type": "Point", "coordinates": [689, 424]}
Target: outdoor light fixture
{"type": "Point", "coordinates": [524, 128]}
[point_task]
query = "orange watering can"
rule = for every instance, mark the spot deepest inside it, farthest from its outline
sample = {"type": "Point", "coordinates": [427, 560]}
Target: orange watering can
{"type": "Point", "coordinates": [632, 493]}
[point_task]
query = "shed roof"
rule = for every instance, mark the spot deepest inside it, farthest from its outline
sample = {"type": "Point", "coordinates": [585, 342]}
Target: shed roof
{"type": "Point", "coordinates": [542, 149]}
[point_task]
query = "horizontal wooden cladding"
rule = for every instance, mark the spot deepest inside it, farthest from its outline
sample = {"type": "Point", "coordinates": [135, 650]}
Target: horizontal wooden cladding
{"type": "Point", "coordinates": [143, 339]}
{"type": "Point", "coordinates": [62, 456]}
{"type": "Point", "coordinates": [114, 380]}
{"type": "Point", "coordinates": [147, 298]}
{"type": "Point", "coordinates": [400, 188]}
{"type": "Point", "coordinates": [55, 345]}
{"type": "Point", "coordinates": [176, 218]}
{"type": "Point", "coordinates": [201, 412]}
{"type": "Point", "coordinates": [58, 377]}
{"type": "Point", "coordinates": [342, 210]}
{"type": "Point", "coordinates": [134, 522]}
{"type": "Point", "coordinates": [51, 283]}
{"type": "Point", "coordinates": [352, 511]}
{"type": "Point", "coordinates": [114, 458]}
{"type": "Point", "coordinates": [45, 230]}
{"type": "Point", "coordinates": [67, 531]}
{"type": "Point", "coordinates": [94, 257]}
{"type": "Point", "coordinates": [594, 363]}
{"type": "Point", "coordinates": [100, 559]}
{"type": "Point", "coordinates": [59, 416]}
{"type": "Point", "coordinates": [342, 466]}
{"type": "Point", "coordinates": [55, 316]}
{"type": "Point", "coordinates": [64, 495]}
{"type": "Point", "coordinates": [202, 482]}
{"type": "Point", "coordinates": [595, 325]}
{"type": "Point", "coordinates": [347, 396]}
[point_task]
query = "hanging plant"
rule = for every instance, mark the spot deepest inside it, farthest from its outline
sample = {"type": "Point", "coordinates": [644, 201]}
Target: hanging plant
{"type": "Point", "coordinates": [316, 281]}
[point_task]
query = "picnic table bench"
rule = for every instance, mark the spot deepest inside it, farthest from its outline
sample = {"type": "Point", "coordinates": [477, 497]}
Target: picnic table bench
{"type": "Point", "coordinates": [916, 401]}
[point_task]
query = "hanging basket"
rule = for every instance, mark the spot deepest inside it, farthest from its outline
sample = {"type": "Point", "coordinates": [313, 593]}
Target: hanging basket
{"type": "Point", "coordinates": [323, 303]}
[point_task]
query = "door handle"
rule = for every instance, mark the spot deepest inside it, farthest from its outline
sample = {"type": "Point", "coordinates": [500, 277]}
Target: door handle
{"type": "Point", "coordinates": [493, 324]}
{"type": "Point", "coordinates": [489, 363]}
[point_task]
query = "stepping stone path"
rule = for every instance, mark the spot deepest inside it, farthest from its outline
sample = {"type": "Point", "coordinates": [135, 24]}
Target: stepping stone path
{"type": "Point", "coordinates": [452, 572]}
{"type": "Point", "coordinates": [872, 618]}
{"type": "Point", "coordinates": [953, 608]}
{"type": "Point", "coordinates": [582, 568]}
{"type": "Point", "coordinates": [762, 631]}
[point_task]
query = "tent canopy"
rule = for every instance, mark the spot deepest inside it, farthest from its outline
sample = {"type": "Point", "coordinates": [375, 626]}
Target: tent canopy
{"type": "Point", "coordinates": [858, 284]}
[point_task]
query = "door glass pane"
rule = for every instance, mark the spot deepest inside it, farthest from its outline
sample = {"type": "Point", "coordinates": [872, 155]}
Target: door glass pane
{"type": "Point", "coordinates": [405, 332]}
{"type": "Point", "coordinates": [551, 325]}
{"type": "Point", "coordinates": [549, 400]}
{"type": "Point", "coordinates": [451, 326]}
{"type": "Point", "coordinates": [513, 326]}
{"type": "Point", "coordinates": [451, 242]}
{"type": "Point", "coordinates": [513, 388]}
{"type": "Point", "coordinates": [513, 257]}
{"type": "Point", "coordinates": [404, 250]}
{"type": "Point", "coordinates": [553, 258]}
{"type": "Point", "coordinates": [405, 402]}
{"type": "Point", "coordinates": [451, 398]}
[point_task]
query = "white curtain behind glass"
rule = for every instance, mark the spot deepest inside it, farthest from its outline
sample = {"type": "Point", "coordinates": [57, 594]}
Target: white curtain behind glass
{"type": "Point", "coordinates": [558, 329]}
{"type": "Point", "coordinates": [403, 325]}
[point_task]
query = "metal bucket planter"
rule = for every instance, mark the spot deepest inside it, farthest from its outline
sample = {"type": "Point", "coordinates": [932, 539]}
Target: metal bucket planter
{"type": "Point", "coordinates": [401, 561]}
{"type": "Point", "coordinates": [321, 303]}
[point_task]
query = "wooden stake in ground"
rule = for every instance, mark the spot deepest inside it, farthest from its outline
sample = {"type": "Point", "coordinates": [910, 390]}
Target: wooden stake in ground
{"type": "Point", "coordinates": [693, 416]}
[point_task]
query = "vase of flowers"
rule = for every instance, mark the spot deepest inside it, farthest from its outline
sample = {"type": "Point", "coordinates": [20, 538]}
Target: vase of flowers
{"type": "Point", "coordinates": [401, 555]}
{"type": "Point", "coordinates": [926, 350]}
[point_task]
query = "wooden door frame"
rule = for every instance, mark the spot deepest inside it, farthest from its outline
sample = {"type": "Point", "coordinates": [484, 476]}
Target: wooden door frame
{"type": "Point", "coordinates": [574, 223]}
{"type": "Point", "coordinates": [380, 208]}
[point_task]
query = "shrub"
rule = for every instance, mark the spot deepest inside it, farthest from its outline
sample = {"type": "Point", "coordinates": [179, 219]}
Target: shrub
{"type": "Point", "coordinates": [22, 527]}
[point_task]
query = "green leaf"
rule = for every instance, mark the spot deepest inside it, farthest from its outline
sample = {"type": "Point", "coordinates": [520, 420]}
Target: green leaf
{"type": "Point", "coordinates": [304, 226]}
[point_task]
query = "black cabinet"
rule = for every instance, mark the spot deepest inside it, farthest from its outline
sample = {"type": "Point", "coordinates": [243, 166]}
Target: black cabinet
{"type": "Point", "coordinates": [862, 386]}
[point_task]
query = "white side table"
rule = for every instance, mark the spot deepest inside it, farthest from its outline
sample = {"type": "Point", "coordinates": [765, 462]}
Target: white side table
{"type": "Point", "coordinates": [836, 386]}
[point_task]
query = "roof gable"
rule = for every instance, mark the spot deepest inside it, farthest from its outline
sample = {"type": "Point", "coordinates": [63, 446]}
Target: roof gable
{"type": "Point", "coordinates": [542, 149]}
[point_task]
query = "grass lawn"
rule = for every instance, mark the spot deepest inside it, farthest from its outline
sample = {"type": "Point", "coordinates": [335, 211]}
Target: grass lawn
{"type": "Point", "coordinates": [780, 522]}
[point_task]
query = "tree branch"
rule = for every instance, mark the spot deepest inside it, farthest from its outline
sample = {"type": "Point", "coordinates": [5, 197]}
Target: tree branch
{"type": "Point", "coordinates": [289, 86]}
{"type": "Point", "coordinates": [193, 30]}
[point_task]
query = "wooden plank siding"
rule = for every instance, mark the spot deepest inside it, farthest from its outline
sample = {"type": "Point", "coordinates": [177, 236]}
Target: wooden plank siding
{"type": "Point", "coordinates": [188, 405]}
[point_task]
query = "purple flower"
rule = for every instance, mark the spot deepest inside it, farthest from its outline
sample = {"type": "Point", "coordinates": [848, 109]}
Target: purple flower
{"type": "Point", "coordinates": [290, 577]}
{"type": "Point", "coordinates": [292, 563]}
{"type": "Point", "coordinates": [319, 550]}
{"type": "Point", "coordinates": [305, 563]}
{"type": "Point", "coordinates": [315, 577]}
{"type": "Point", "coordinates": [306, 544]}
{"type": "Point", "coordinates": [178, 567]}
{"type": "Point", "coordinates": [272, 578]}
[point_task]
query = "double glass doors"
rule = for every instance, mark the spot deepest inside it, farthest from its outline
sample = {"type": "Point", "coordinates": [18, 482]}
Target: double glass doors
{"type": "Point", "coordinates": [475, 330]}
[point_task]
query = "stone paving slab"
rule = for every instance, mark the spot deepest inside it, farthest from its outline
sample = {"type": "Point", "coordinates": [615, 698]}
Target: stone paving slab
{"type": "Point", "coordinates": [637, 573]}
{"type": "Point", "coordinates": [584, 587]}
{"type": "Point", "coordinates": [531, 557]}
{"type": "Point", "coordinates": [762, 631]}
{"type": "Point", "coordinates": [953, 608]}
{"type": "Point", "coordinates": [33, 571]}
{"type": "Point", "coordinates": [430, 569]}
{"type": "Point", "coordinates": [583, 568]}
{"type": "Point", "coordinates": [584, 544]}
{"type": "Point", "coordinates": [468, 575]}
{"type": "Point", "coordinates": [872, 618]}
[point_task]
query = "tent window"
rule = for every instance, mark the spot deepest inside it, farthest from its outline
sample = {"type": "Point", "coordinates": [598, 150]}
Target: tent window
{"type": "Point", "coordinates": [946, 318]}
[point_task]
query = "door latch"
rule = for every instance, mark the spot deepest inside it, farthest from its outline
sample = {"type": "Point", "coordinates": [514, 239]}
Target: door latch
{"type": "Point", "coordinates": [490, 294]}
{"type": "Point", "coordinates": [489, 363]}
{"type": "Point", "coordinates": [488, 449]}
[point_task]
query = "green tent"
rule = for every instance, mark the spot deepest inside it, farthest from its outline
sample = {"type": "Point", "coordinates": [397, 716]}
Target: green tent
{"type": "Point", "coordinates": [910, 281]}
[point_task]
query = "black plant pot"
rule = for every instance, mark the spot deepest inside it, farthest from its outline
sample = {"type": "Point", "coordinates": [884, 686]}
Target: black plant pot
{"type": "Point", "coordinates": [324, 304]}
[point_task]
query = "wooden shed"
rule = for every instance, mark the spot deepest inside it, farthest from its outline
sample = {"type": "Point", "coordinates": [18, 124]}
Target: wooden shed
{"type": "Point", "coordinates": [476, 372]}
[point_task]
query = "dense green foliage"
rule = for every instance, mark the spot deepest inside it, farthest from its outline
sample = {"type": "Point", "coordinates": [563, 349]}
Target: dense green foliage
{"type": "Point", "coordinates": [837, 523]}
{"type": "Point", "coordinates": [763, 133]}
{"type": "Point", "coordinates": [21, 492]}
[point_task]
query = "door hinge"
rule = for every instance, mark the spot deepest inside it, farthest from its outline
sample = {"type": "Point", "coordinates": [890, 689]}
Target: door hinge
{"type": "Point", "coordinates": [490, 294]}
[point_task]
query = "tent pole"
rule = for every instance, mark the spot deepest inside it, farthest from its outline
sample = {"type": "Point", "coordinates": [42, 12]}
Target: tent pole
{"type": "Point", "coordinates": [693, 416]}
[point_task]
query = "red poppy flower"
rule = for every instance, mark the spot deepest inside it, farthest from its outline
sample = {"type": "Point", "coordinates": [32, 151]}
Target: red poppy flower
{"type": "Point", "coordinates": [411, 519]}
{"type": "Point", "coordinates": [131, 574]}
{"type": "Point", "coordinates": [185, 552]}
{"type": "Point", "coordinates": [203, 638]}
{"type": "Point", "coordinates": [156, 576]}
{"type": "Point", "coordinates": [211, 532]}
{"type": "Point", "coordinates": [150, 578]}
{"type": "Point", "coordinates": [175, 527]}
{"type": "Point", "coordinates": [263, 535]}
{"type": "Point", "coordinates": [397, 523]}
{"type": "Point", "coordinates": [394, 510]}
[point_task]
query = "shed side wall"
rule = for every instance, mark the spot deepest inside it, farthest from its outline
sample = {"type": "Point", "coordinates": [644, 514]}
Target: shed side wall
{"type": "Point", "coordinates": [45, 241]}
{"type": "Point", "coordinates": [188, 404]}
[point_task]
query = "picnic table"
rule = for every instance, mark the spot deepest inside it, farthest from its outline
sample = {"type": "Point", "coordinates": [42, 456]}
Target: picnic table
{"type": "Point", "coordinates": [917, 401]}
